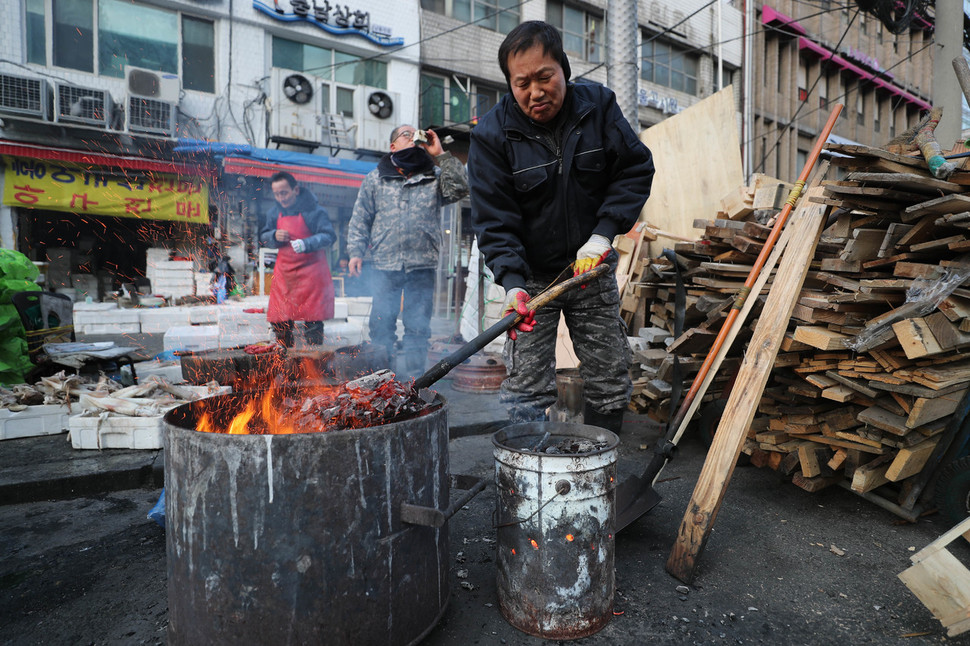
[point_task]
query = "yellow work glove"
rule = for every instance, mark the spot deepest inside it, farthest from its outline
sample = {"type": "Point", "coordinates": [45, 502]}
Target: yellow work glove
{"type": "Point", "coordinates": [515, 301]}
{"type": "Point", "coordinates": [591, 254]}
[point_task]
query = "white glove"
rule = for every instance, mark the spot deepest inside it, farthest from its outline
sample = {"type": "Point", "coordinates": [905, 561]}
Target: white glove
{"type": "Point", "coordinates": [591, 254]}
{"type": "Point", "coordinates": [299, 246]}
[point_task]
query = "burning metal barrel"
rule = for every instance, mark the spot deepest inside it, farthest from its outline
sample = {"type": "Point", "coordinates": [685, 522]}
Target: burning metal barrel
{"type": "Point", "coordinates": [556, 488]}
{"type": "Point", "coordinates": [299, 538]}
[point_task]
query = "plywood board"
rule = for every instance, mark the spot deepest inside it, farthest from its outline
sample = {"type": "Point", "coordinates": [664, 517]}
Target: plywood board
{"type": "Point", "coordinates": [684, 186]}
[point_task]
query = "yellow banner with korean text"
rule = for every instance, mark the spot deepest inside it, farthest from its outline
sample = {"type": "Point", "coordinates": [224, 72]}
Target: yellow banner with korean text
{"type": "Point", "coordinates": [57, 186]}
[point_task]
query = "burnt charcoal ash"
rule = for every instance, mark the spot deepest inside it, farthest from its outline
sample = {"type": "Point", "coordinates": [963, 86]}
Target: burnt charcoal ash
{"type": "Point", "coordinates": [573, 446]}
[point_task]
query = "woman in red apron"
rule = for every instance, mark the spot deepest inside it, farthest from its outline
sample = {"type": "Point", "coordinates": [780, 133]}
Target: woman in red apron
{"type": "Point", "coordinates": [302, 288]}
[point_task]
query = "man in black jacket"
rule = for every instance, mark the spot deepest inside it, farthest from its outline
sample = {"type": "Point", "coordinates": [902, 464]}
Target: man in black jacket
{"type": "Point", "coordinates": [555, 173]}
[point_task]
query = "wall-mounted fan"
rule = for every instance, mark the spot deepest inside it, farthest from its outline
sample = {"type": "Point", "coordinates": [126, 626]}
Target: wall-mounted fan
{"type": "Point", "coordinates": [380, 105]}
{"type": "Point", "coordinates": [297, 88]}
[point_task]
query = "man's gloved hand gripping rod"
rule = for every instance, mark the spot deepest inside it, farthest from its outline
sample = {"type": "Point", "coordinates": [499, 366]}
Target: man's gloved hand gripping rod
{"type": "Point", "coordinates": [445, 366]}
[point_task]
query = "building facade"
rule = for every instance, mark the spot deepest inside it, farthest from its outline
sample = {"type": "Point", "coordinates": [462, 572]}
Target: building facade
{"type": "Point", "coordinates": [198, 99]}
{"type": "Point", "coordinates": [810, 56]}
{"type": "Point", "coordinates": [682, 47]}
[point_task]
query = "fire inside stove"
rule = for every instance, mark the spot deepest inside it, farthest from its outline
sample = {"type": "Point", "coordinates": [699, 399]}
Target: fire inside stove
{"type": "Point", "coordinates": [372, 400]}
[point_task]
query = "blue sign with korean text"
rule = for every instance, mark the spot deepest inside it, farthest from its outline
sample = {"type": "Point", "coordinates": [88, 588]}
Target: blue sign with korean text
{"type": "Point", "coordinates": [336, 19]}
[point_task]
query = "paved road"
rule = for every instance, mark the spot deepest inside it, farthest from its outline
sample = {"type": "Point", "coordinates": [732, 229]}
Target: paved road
{"type": "Point", "coordinates": [92, 570]}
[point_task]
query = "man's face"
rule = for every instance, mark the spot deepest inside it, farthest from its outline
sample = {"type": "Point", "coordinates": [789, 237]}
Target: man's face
{"type": "Point", "coordinates": [538, 83]}
{"type": "Point", "coordinates": [404, 139]}
{"type": "Point", "coordinates": [284, 193]}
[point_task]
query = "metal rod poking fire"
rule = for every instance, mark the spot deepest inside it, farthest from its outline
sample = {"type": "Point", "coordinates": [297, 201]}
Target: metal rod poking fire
{"type": "Point", "coordinates": [370, 400]}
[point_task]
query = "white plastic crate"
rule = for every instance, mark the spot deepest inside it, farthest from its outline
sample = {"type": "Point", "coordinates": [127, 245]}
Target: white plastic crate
{"type": "Point", "coordinates": [48, 419]}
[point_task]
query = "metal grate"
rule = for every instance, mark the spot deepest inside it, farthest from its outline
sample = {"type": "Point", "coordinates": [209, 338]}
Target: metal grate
{"type": "Point", "coordinates": [83, 105]}
{"type": "Point", "coordinates": [24, 95]}
{"type": "Point", "coordinates": [149, 115]}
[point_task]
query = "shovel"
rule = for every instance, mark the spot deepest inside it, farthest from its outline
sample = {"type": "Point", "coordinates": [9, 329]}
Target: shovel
{"type": "Point", "coordinates": [446, 365]}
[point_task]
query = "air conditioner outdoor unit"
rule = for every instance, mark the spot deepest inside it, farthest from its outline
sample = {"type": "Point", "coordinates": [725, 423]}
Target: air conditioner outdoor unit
{"type": "Point", "coordinates": [25, 96]}
{"type": "Point", "coordinates": [151, 116]}
{"type": "Point", "coordinates": [74, 104]}
{"type": "Point", "coordinates": [377, 112]}
{"type": "Point", "coordinates": [152, 101]}
{"type": "Point", "coordinates": [295, 115]}
{"type": "Point", "coordinates": [149, 84]}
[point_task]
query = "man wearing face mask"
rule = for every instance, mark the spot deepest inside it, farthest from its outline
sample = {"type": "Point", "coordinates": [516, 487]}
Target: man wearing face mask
{"type": "Point", "coordinates": [556, 173]}
{"type": "Point", "coordinates": [396, 223]}
{"type": "Point", "coordinates": [302, 287]}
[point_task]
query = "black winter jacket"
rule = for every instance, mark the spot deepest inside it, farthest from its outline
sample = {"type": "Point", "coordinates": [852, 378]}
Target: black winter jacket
{"type": "Point", "coordinates": [535, 204]}
{"type": "Point", "coordinates": [316, 219]}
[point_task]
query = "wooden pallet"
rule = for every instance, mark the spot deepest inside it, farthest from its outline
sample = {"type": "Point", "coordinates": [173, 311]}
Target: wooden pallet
{"type": "Point", "coordinates": [942, 582]}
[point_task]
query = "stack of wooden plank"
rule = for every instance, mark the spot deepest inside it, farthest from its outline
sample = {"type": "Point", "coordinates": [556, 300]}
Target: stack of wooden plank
{"type": "Point", "coordinates": [874, 365]}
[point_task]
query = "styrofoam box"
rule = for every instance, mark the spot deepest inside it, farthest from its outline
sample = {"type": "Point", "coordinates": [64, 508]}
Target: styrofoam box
{"type": "Point", "coordinates": [93, 307]}
{"type": "Point", "coordinates": [242, 337]}
{"type": "Point", "coordinates": [172, 265]}
{"type": "Point", "coordinates": [116, 432]}
{"type": "Point", "coordinates": [121, 431]}
{"type": "Point", "coordinates": [348, 332]}
{"type": "Point", "coordinates": [192, 337]}
{"type": "Point", "coordinates": [237, 321]}
{"type": "Point", "coordinates": [358, 305]}
{"type": "Point", "coordinates": [160, 320]}
{"type": "Point", "coordinates": [340, 309]}
{"type": "Point", "coordinates": [171, 371]}
{"type": "Point", "coordinates": [109, 328]}
{"type": "Point", "coordinates": [203, 314]}
{"type": "Point", "coordinates": [48, 419]}
{"type": "Point", "coordinates": [115, 316]}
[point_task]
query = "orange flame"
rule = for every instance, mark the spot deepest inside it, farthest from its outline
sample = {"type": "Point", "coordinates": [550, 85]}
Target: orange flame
{"type": "Point", "coordinates": [534, 544]}
{"type": "Point", "coordinates": [240, 423]}
{"type": "Point", "coordinates": [313, 407]}
{"type": "Point", "coordinates": [569, 537]}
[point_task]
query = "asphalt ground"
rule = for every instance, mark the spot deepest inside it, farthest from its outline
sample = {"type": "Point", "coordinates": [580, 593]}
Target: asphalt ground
{"type": "Point", "coordinates": [80, 562]}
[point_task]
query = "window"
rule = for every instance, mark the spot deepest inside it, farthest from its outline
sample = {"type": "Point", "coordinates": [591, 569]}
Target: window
{"type": "Point", "coordinates": [103, 36]}
{"type": "Point", "coordinates": [668, 65]}
{"type": "Point", "coordinates": [860, 109]}
{"type": "Point", "coordinates": [802, 80]}
{"type": "Point", "coordinates": [446, 101]}
{"type": "Point", "coordinates": [823, 92]}
{"type": "Point", "coordinates": [344, 72]}
{"type": "Point", "coordinates": [73, 37]}
{"type": "Point", "coordinates": [36, 30]}
{"type": "Point", "coordinates": [198, 55]}
{"type": "Point", "coordinates": [582, 32]}
{"type": "Point", "coordinates": [328, 64]}
{"type": "Point", "coordinates": [134, 35]}
{"type": "Point", "coordinates": [498, 15]}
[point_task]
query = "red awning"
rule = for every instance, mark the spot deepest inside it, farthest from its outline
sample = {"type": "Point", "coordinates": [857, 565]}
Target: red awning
{"type": "Point", "coordinates": [258, 168]}
{"type": "Point", "coordinates": [91, 160]}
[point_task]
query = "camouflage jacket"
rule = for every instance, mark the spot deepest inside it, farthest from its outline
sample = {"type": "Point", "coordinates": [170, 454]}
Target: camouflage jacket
{"type": "Point", "coordinates": [396, 222]}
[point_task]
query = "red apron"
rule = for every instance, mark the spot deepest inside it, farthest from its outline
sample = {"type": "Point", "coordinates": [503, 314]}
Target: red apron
{"type": "Point", "coordinates": [302, 288]}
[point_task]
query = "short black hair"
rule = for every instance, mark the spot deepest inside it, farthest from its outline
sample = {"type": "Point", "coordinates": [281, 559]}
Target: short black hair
{"type": "Point", "coordinates": [528, 35]}
{"type": "Point", "coordinates": [283, 175]}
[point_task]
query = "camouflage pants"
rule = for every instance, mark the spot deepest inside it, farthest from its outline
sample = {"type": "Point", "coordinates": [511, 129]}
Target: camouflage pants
{"type": "Point", "coordinates": [592, 315]}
